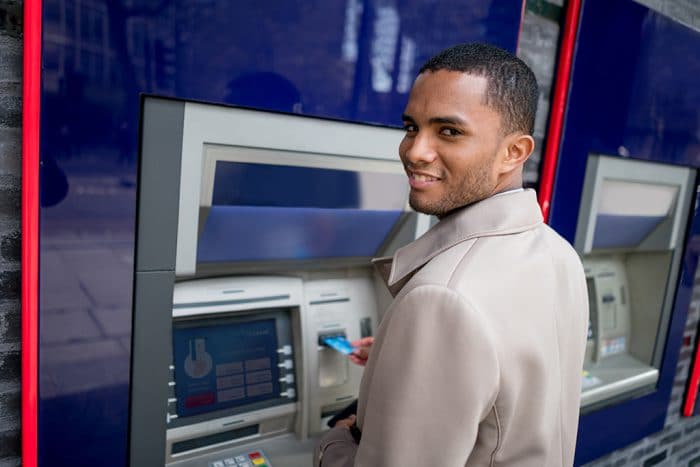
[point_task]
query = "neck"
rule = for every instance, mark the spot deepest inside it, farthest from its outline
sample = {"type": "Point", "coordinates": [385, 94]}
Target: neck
{"type": "Point", "coordinates": [513, 182]}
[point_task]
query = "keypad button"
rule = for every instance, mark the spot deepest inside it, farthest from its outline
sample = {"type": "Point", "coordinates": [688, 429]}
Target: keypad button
{"type": "Point", "coordinates": [240, 459]}
{"type": "Point", "coordinates": [230, 461]}
{"type": "Point", "coordinates": [245, 464]}
{"type": "Point", "coordinates": [254, 455]}
{"type": "Point", "coordinates": [258, 462]}
{"type": "Point", "coordinates": [217, 464]}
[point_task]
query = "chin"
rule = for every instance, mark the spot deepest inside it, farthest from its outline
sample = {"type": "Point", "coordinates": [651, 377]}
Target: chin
{"type": "Point", "coordinates": [425, 207]}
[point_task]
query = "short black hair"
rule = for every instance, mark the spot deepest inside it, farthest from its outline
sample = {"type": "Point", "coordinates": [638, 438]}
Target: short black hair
{"type": "Point", "coordinates": [512, 87]}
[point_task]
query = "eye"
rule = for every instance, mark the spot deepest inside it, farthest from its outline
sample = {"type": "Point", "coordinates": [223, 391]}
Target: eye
{"type": "Point", "coordinates": [410, 128]}
{"type": "Point", "coordinates": [449, 131]}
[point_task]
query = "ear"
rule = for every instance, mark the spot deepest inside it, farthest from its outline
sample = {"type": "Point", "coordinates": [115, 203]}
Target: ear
{"type": "Point", "coordinates": [516, 150]}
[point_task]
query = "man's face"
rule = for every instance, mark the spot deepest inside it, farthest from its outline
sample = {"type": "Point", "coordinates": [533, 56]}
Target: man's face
{"type": "Point", "coordinates": [451, 142]}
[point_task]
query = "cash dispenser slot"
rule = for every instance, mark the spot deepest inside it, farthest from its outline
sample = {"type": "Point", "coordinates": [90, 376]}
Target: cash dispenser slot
{"type": "Point", "coordinates": [212, 440]}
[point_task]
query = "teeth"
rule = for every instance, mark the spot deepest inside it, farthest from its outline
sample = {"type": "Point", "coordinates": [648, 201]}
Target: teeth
{"type": "Point", "coordinates": [423, 178]}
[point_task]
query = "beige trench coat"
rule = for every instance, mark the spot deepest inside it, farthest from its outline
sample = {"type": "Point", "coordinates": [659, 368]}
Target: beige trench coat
{"type": "Point", "coordinates": [478, 360]}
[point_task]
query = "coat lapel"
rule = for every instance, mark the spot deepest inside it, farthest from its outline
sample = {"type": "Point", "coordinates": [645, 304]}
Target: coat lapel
{"type": "Point", "coordinates": [503, 214]}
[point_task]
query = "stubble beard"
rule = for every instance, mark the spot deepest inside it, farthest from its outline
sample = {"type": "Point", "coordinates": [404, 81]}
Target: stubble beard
{"type": "Point", "coordinates": [474, 186]}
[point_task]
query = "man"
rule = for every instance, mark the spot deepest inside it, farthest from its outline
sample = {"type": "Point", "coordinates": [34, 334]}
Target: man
{"type": "Point", "coordinates": [478, 360]}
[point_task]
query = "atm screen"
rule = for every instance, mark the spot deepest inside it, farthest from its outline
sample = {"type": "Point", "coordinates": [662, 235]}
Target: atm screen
{"type": "Point", "coordinates": [223, 363]}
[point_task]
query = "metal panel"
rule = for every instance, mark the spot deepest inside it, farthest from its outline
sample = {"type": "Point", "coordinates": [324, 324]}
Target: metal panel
{"type": "Point", "coordinates": [215, 133]}
{"type": "Point", "coordinates": [151, 350]}
{"type": "Point", "coordinates": [159, 184]}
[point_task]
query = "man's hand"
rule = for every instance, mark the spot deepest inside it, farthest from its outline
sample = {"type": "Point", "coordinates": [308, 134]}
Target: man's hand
{"type": "Point", "coordinates": [361, 352]}
{"type": "Point", "coordinates": [346, 422]}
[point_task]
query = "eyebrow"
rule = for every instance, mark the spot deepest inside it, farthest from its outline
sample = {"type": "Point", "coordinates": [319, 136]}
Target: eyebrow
{"type": "Point", "coordinates": [450, 120]}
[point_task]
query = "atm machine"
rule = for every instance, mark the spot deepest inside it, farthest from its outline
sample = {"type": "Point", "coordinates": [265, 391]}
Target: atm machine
{"type": "Point", "coordinates": [630, 233]}
{"type": "Point", "coordinates": [254, 239]}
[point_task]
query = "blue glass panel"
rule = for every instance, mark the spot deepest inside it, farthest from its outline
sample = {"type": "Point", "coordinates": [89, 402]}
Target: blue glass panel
{"type": "Point", "coordinates": [634, 93]}
{"type": "Point", "coordinates": [241, 233]}
{"type": "Point", "coordinates": [249, 184]}
{"type": "Point", "coordinates": [349, 60]}
{"type": "Point", "coordinates": [275, 212]}
{"type": "Point", "coordinates": [281, 185]}
{"type": "Point", "coordinates": [623, 231]}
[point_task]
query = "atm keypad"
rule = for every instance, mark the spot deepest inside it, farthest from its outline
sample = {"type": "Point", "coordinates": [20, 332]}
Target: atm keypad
{"type": "Point", "coordinates": [246, 459]}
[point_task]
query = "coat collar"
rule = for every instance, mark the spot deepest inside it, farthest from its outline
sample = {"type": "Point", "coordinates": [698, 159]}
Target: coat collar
{"type": "Point", "coordinates": [506, 213]}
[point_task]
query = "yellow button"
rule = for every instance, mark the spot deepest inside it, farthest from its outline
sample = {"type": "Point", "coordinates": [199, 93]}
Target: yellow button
{"type": "Point", "coordinates": [258, 461]}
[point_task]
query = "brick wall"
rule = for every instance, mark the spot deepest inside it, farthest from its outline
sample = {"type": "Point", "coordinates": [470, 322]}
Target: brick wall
{"type": "Point", "coordinates": [538, 47]}
{"type": "Point", "coordinates": [10, 172]}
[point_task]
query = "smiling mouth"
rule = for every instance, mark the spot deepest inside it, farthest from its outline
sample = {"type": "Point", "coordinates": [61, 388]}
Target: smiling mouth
{"type": "Point", "coordinates": [422, 177]}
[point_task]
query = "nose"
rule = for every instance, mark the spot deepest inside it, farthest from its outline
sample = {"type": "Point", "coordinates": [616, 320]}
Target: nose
{"type": "Point", "coordinates": [418, 150]}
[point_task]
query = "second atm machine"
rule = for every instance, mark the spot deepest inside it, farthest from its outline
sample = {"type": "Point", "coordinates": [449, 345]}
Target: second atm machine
{"type": "Point", "coordinates": [255, 232]}
{"type": "Point", "coordinates": [631, 226]}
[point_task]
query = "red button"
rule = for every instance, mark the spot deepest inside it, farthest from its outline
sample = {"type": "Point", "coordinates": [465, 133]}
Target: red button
{"type": "Point", "coordinates": [254, 455]}
{"type": "Point", "coordinates": [199, 400]}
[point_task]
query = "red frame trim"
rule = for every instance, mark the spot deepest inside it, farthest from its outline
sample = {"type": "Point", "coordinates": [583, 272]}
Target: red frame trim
{"type": "Point", "coordinates": [31, 97]}
{"type": "Point", "coordinates": [558, 109]}
{"type": "Point", "coordinates": [693, 385]}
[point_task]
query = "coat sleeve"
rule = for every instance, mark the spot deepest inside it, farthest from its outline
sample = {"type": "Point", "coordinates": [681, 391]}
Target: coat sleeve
{"type": "Point", "coordinates": [435, 379]}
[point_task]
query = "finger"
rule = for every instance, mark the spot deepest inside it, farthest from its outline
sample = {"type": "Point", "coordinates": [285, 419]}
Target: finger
{"type": "Point", "coordinates": [357, 361]}
{"type": "Point", "coordinates": [364, 342]}
{"type": "Point", "coordinates": [361, 353]}
{"type": "Point", "coordinates": [367, 341]}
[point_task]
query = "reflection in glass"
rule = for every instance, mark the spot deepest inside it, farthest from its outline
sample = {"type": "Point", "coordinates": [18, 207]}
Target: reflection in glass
{"type": "Point", "coordinates": [279, 212]}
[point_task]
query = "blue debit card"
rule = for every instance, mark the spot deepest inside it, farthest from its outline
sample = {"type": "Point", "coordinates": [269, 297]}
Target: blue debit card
{"type": "Point", "coordinates": [340, 344]}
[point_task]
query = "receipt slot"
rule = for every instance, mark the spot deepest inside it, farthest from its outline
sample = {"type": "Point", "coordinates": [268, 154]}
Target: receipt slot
{"type": "Point", "coordinates": [630, 235]}
{"type": "Point", "coordinates": [254, 240]}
